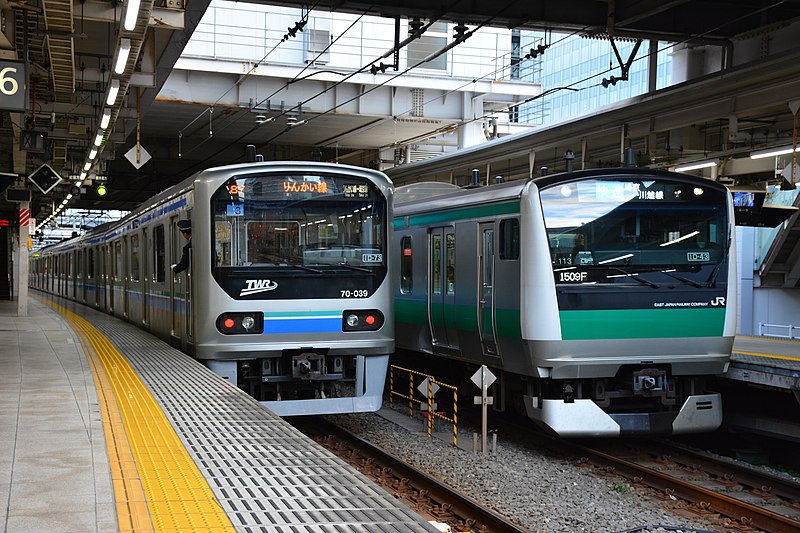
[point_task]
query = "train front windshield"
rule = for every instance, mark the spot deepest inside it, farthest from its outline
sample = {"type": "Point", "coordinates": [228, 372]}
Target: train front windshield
{"type": "Point", "coordinates": [632, 231]}
{"type": "Point", "coordinates": [295, 227]}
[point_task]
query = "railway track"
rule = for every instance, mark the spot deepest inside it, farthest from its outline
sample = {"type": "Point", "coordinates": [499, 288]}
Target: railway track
{"type": "Point", "coordinates": [426, 495]}
{"type": "Point", "coordinates": [738, 497]}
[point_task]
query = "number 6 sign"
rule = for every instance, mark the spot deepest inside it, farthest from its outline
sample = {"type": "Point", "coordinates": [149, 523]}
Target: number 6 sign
{"type": "Point", "coordinates": [12, 86]}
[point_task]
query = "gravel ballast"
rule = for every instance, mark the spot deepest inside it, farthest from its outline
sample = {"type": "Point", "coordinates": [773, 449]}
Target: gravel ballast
{"type": "Point", "coordinates": [537, 489]}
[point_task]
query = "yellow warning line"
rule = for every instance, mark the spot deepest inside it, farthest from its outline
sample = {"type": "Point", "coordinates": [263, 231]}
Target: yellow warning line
{"type": "Point", "coordinates": [769, 355]}
{"type": "Point", "coordinates": [150, 467]}
{"type": "Point", "coordinates": [767, 339]}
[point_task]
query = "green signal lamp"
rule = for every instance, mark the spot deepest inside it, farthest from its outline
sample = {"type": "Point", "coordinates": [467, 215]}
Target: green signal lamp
{"type": "Point", "coordinates": [101, 190]}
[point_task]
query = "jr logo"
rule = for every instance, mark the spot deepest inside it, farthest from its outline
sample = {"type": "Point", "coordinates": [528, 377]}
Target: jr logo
{"type": "Point", "coordinates": [719, 300]}
{"type": "Point", "coordinates": [258, 285]}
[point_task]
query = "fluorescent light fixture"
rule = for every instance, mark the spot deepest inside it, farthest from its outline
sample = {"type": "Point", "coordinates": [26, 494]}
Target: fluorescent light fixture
{"type": "Point", "coordinates": [123, 52]}
{"type": "Point", "coordinates": [772, 152]}
{"type": "Point", "coordinates": [131, 14]}
{"type": "Point", "coordinates": [696, 166]}
{"type": "Point", "coordinates": [93, 153]}
{"type": "Point", "coordinates": [106, 118]}
{"type": "Point", "coordinates": [679, 239]}
{"type": "Point", "coordinates": [113, 90]}
{"type": "Point", "coordinates": [69, 196]}
{"type": "Point", "coordinates": [83, 177]}
{"type": "Point", "coordinates": [620, 258]}
{"type": "Point", "coordinates": [99, 139]}
{"type": "Point", "coordinates": [87, 166]}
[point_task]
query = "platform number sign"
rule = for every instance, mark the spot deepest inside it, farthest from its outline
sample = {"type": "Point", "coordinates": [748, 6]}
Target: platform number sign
{"type": "Point", "coordinates": [12, 86]}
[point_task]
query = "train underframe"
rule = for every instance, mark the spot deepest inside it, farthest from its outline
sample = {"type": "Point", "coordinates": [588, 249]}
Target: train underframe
{"type": "Point", "coordinates": [303, 382]}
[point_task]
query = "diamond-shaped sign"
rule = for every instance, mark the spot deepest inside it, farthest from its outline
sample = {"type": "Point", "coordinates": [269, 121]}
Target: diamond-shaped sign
{"type": "Point", "coordinates": [138, 156]}
{"type": "Point", "coordinates": [483, 378]}
{"type": "Point", "coordinates": [45, 178]}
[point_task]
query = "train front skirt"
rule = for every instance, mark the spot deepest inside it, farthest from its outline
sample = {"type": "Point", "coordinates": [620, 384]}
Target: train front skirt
{"type": "Point", "coordinates": [584, 418]}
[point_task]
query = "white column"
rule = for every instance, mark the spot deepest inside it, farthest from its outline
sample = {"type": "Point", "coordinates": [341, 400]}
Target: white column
{"type": "Point", "coordinates": [21, 280]}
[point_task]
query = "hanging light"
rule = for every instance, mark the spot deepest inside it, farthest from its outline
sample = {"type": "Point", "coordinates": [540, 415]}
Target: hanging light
{"type": "Point", "coordinates": [122, 55]}
{"type": "Point", "coordinates": [99, 139]}
{"type": "Point", "coordinates": [113, 90]}
{"type": "Point", "coordinates": [106, 118]}
{"type": "Point", "coordinates": [131, 14]}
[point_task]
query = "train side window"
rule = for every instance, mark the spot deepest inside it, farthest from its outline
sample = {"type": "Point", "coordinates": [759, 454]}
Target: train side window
{"type": "Point", "coordinates": [406, 266]}
{"type": "Point", "coordinates": [134, 258]}
{"type": "Point", "coordinates": [159, 250]}
{"type": "Point", "coordinates": [509, 238]}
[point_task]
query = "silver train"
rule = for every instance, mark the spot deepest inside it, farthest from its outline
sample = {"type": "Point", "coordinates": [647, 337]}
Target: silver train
{"type": "Point", "coordinates": [603, 299]}
{"type": "Point", "coordinates": [289, 291]}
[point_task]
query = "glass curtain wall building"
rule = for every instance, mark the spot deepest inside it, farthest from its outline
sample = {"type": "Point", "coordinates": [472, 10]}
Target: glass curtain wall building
{"type": "Point", "coordinates": [571, 70]}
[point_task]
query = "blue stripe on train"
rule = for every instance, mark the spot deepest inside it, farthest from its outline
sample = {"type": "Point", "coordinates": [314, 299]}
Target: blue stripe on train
{"type": "Point", "coordinates": [303, 325]}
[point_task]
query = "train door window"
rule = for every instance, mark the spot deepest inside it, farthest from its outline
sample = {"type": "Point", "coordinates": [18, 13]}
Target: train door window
{"type": "Point", "coordinates": [89, 264]}
{"type": "Point", "coordinates": [406, 266]}
{"type": "Point", "coordinates": [159, 250]}
{"type": "Point", "coordinates": [134, 257]}
{"type": "Point", "coordinates": [509, 239]}
{"type": "Point", "coordinates": [450, 262]}
{"type": "Point", "coordinates": [118, 261]}
{"type": "Point", "coordinates": [436, 270]}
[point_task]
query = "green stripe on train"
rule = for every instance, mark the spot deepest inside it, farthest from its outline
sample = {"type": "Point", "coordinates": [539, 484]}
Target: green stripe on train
{"type": "Point", "coordinates": [642, 323]}
{"type": "Point", "coordinates": [416, 312]}
{"type": "Point", "coordinates": [452, 215]}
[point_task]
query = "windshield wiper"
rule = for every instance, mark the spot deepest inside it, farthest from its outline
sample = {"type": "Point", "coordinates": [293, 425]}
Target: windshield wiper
{"type": "Point", "coordinates": [351, 267]}
{"type": "Point", "coordinates": [685, 280]}
{"type": "Point", "coordinates": [635, 276]}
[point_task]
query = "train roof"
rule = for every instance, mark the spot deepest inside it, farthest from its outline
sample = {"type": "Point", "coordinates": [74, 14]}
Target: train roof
{"type": "Point", "coordinates": [441, 197]}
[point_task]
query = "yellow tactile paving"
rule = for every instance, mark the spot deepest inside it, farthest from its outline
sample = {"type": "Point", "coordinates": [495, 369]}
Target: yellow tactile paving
{"type": "Point", "coordinates": [769, 355]}
{"type": "Point", "coordinates": [157, 486]}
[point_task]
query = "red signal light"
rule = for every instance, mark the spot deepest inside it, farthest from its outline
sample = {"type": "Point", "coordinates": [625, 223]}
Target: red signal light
{"type": "Point", "coordinates": [370, 320]}
{"type": "Point", "coordinates": [229, 323]}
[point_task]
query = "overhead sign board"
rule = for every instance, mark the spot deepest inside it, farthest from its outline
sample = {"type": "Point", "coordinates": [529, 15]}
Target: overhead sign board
{"type": "Point", "coordinates": [13, 87]}
{"type": "Point", "coordinates": [45, 178]}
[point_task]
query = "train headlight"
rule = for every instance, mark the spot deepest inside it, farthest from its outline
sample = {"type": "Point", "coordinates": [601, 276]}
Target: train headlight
{"type": "Point", "coordinates": [362, 320]}
{"type": "Point", "coordinates": [239, 323]}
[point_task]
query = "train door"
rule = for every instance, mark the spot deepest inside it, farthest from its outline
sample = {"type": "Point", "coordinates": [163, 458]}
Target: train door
{"type": "Point", "coordinates": [486, 288]}
{"type": "Point", "coordinates": [175, 307]}
{"type": "Point", "coordinates": [442, 290]}
{"type": "Point", "coordinates": [126, 281]}
{"type": "Point", "coordinates": [144, 258]}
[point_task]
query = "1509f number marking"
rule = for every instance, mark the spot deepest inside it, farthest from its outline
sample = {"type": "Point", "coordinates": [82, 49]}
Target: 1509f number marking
{"type": "Point", "coordinates": [572, 277]}
{"type": "Point", "coordinates": [357, 293]}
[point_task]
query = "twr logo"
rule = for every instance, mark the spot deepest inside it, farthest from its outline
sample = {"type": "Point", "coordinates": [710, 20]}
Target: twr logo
{"type": "Point", "coordinates": [718, 301]}
{"type": "Point", "coordinates": [258, 285]}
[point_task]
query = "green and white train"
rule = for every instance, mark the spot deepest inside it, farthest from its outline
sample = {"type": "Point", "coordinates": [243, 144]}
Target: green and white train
{"type": "Point", "coordinates": [604, 299]}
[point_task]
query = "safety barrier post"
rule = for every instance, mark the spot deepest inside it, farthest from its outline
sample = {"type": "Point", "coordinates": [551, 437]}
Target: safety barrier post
{"type": "Point", "coordinates": [391, 386]}
{"type": "Point", "coordinates": [430, 406]}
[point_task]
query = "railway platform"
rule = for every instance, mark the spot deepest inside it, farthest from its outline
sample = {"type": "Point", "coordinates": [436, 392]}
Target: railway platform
{"type": "Point", "coordinates": [761, 389]}
{"type": "Point", "coordinates": [106, 428]}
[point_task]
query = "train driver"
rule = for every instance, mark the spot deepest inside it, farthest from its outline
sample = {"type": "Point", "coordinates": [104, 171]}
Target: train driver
{"type": "Point", "coordinates": [185, 226]}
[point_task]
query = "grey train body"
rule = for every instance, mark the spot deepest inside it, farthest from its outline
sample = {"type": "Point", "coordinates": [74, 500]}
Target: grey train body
{"type": "Point", "coordinates": [581, 344]}
{"type": "Point", "coordinates": [258, 306]}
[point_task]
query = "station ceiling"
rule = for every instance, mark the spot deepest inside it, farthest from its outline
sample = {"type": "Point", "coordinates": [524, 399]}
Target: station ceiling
{"type": "Point", "coordinates": [70, 45]}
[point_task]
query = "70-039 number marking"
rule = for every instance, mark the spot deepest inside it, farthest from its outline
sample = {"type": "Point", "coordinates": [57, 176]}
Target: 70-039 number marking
{"type": "Point", "coordinates": [357, 293]}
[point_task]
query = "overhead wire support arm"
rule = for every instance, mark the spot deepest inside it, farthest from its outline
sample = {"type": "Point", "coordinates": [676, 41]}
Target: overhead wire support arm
{"type": "Point", "coordinates": [624, 66]}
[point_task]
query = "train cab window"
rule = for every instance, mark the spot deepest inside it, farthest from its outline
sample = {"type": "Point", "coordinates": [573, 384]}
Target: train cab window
{"type": "Point", "coordinates": [509, 239]}
{"type": "Point", "coordinates": [635, 230]}
{"type": "Point", "coordinates": [159, 251]}
{"type": "Point", "coordinates": [134, 258]}
{"type": "Point", "coordinates": [406, 266]}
